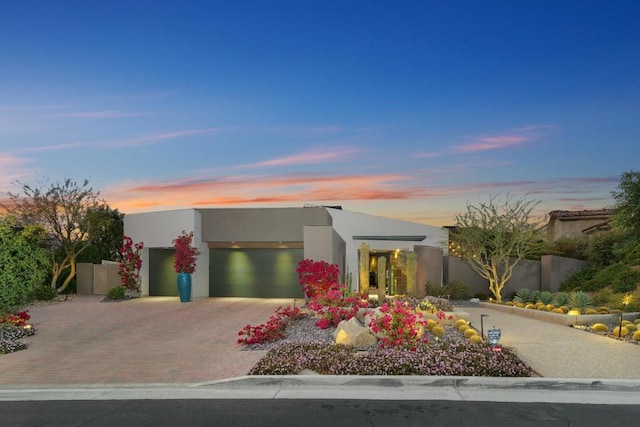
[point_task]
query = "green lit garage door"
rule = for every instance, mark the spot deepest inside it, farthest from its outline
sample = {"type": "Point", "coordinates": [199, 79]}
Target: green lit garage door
{"type": "Point", "coordinates": [257, 273]}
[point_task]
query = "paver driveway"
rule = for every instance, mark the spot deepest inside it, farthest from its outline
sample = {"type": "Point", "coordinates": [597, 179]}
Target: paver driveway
{"type": "Point", "coordinates": [147, 340]}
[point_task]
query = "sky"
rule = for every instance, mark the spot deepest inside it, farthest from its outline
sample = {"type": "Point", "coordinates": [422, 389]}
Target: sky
{"type": "Point", "coordinates": [408, 110]}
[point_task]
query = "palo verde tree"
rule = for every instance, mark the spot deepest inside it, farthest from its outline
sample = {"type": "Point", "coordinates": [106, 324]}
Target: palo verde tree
{"type": "Point", "coordinates": [62, 209]}
{"type": "Point", "coordinates": [494, 236]}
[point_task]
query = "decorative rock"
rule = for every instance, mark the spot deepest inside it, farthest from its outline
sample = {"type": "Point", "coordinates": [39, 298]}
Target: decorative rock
{"type": "Point", "coordinates": [351, 332]}
{"type": "Point", "coordinates": [474, 300]}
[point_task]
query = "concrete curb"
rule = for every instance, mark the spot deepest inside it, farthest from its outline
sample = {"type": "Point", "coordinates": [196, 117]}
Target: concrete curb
{"type": "Point", "coordinates": [558, 390]}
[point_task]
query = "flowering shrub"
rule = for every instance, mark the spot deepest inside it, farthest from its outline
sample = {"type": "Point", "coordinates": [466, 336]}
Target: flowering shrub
{"type": "Point", "coordinates": [13, 327]}
{"type": "Point", "coordinates": [399, 325]}
{"type": "Point", "coordinates": [336, 305]}
{"type": "Point", "coordinates": [185, 257]}
{"type": "Point", "coordinates": [317, 277]}
{"type": "Point", "coordinates": [461, 358]}
{"type": "Point", "coordinates": [273, 330]}
{"type": "Point", "coordinates": [130, 264]}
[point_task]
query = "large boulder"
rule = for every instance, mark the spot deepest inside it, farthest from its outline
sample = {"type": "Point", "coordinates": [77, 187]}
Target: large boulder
{"type": "Point", "coordinates": [351, 332]}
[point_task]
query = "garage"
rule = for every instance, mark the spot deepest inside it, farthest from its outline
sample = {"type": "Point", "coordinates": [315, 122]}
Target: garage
{"type": "Point", "coordinates": [254, 272]}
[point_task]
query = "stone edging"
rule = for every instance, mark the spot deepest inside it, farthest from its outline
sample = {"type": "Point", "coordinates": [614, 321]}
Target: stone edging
{"type": "Point", "coordinates": [562, 319]}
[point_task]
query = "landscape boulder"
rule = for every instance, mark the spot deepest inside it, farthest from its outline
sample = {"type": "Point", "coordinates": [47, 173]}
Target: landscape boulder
{"type": "Point", "coordinates": [351, 332]}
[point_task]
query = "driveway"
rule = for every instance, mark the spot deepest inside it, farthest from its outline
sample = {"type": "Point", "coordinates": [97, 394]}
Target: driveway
{"type": "Point", "coordinates": [146, 340]}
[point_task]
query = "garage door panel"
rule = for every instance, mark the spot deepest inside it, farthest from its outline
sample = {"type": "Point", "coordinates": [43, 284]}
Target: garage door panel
{"type": "Point", "coordinates": [258, 273]}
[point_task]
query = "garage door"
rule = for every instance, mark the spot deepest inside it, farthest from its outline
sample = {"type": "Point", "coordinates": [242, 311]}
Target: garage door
{"type": "Point", "coordinates": [257, 273]}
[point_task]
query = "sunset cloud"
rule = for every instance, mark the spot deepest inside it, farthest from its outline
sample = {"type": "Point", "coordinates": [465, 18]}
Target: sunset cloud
{"type": "Point", "coordinates": [323, 155]}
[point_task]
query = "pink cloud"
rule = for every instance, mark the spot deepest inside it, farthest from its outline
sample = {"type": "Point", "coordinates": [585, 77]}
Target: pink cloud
{"type": "Point", "coordinates": [314, 156]}
{"type": "Point", "coordinates": [490, 143]}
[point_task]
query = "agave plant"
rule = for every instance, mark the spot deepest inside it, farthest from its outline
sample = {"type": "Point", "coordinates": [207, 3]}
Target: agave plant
{"type": "Point", "coordinates": [561, 298]}
{"type": "Point", "coordinates": [524, 295]}
{"type": "Point", "coordinates": [580, 300]}
{"type": "Point", "coordinates": [545, 297]}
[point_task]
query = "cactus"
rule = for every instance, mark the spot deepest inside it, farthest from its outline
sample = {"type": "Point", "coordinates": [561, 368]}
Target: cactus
{"type": "Point", "coordinates": [468, 333]}
{"type": "Point", "coordinates": [599, 327]}
{"type": "Point", "coordinates": [631, 327]}
{"type": "Point", "coordinates": [477, 339]}
{"type": "Point", "coordinates": [530, 306]}
{"type": "Point", "coordinates": [519, 305]}
{"type": "Point", "coordinates": [626, 322]}
{"type": "Point", "coordinates": [636, 336]}
{"type": "Point", "coordinates": [564, 309]}
{"type": "Point", "coordinates": [459, 322]}
{"type": "Point", "coordinates": [591, 311]}
{"type": "Point", "coordinates": [437, 331]}
{"type": "Point", "coordinates": [636, 322]}
{"type": "Point", "coordinates": [463, 328]}
{"type": "Point", "coordinates": [620, 333]}
{"type": "Point", "coordinates": [550, 307]}
{"type": "Point", "coordinates": [558, 310]}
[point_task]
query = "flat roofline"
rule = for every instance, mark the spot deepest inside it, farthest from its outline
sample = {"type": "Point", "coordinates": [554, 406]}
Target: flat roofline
{"type": "Point", "coordinates": [410, 238]}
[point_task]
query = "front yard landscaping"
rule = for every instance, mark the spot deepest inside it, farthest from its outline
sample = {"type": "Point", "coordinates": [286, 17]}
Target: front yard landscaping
{"type": "Point", "coordinates": [397, 336]}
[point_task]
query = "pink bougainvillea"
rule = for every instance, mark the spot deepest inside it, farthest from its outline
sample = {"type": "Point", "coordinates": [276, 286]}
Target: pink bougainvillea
{"type": "Point", "coordinates": [185, 257]}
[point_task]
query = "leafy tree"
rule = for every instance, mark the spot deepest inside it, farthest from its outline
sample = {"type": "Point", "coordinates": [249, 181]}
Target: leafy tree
{"type": "Point", "coordinates": [495, 235]}
{"type": "Point", "coordinates": [24, 263]}
{"type": "Point", "coordinates": [63, 210]}
{"type": "Point", "coordinates": [627, 207]}
{"type": "Point", "coordinates": [627, 214]}
{"type": "Point", "coordinates": [107, 230]}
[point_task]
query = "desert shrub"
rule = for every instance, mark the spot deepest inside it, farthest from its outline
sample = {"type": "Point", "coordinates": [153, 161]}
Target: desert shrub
{"type": "Point", "coordinates": [561, 298]}
{"type": "Point", "coordinates": [44, 293]}
{"type": "Point", "coordinates": [535, 296]}
{"type": "Point", "coordinates": [599, 327]}
{"type": "Point", "coordinates": [620, 332]}
{"type": "Point", "coordinates": [579, 280]}
{"type": "Point", "coordinates": [455, 290]}
{"type": "Point", "coordinates": [636, 336]}
{"type": "Point", "coordinates": [116, 293]}
{"type": "Point", "coordinates": [525, 295]}
{"type": "Point", "coordinates": [620, 277]}
{"type": "Point", "coordinates": [604, 248]}
{"type": "Point", "coordinates": [468, 333]}
{"type": "Point", "coordinates": [545, 297]}
{"type": "Point", "coordinates": [580, 300]}
{"type": "Point", "coordinates": [568, 247]}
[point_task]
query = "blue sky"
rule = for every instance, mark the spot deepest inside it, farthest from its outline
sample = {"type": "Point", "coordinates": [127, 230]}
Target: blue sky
{"type": "Point", "coordinates": [408, 110]}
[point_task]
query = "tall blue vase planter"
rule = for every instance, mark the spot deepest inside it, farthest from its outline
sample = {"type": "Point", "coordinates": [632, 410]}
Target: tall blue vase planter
{"type": "Point", "coordinates": [184, 286]}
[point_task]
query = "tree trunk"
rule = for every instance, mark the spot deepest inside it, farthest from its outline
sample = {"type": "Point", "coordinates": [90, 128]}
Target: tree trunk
{"type": "Point", "coordinates": [72, 274]}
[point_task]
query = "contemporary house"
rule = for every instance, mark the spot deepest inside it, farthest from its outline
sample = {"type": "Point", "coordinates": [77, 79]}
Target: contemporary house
{"type": "Point", "coordinates": [255, 252]}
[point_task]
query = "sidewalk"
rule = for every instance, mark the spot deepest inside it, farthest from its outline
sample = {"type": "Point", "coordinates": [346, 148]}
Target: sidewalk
{"type": "Point", "coordinates": [557, 351]}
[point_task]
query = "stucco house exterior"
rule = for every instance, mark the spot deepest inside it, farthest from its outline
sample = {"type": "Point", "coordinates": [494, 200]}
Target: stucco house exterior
{"type": "Point", "coordinates": [254, 252]}
{"type": "Point", "coordinates": [577, 224]}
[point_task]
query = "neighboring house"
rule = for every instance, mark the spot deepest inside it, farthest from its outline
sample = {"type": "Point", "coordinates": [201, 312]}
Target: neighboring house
{"type": "Point", "coordinates": [255, 252]}
{"type": "Point", "coordinates": [576, 224]}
